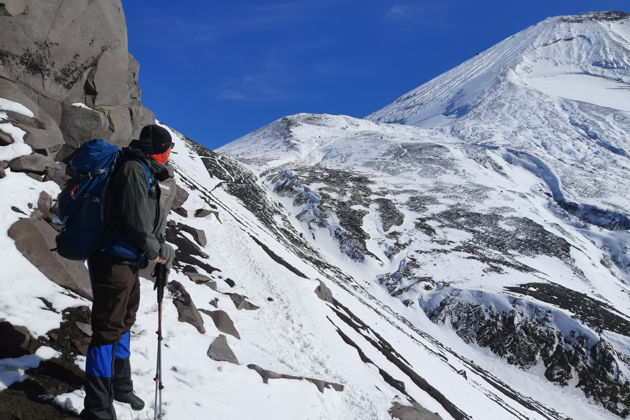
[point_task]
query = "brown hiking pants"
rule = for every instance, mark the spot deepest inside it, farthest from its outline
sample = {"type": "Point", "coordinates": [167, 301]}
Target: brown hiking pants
{"type": "Point", "coordinates": [116, 290]}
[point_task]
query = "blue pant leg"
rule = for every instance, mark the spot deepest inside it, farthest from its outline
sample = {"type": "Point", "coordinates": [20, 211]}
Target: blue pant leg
{"type": "Point", "coordinates": [98, 388]}
{"type": "Point", "coordinates": [122, 368]}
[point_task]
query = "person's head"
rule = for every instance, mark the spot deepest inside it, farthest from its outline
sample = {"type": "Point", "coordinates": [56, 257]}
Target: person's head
{"type": "Point", "coordinates": [156, 142]}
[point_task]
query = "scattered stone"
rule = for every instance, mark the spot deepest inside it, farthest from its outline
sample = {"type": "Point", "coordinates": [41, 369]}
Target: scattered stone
{"type": "Point", "coordinates": [202, 279]}
{"type": "Point", "coordinates": [34, 163]}
{"type": "Point", "coordinates": [4, 164]}
{"type": "Point", "coordinates": [215, 302]}
{"type": "Point", "coordinates": [230, 282]}
{"type": "Point", "coordinates": [16, 341]}
{"type": "Point", "coordinates": [17, 210]}
{"type": "Point", "coordinates": [320, 384]}
{"type": "Point", "coordinates": [323, 292]}
{"type": "Point", "coordinates": [5, 139]}
{"type": "Point", "coordinates": [181, 211]}
{"type": "Point", "coordinates": [186, 309]}
{"type": "Point", "coordinates": [241, 302]}
{"type": "Point", "coordinates": [44, 203]}
{"type": "Point", "coordinates": [34, 239]}
{"type": "Point", "coordinates": [220, 351]}
{"type": "Point", "coordinates": [413, 412]}
{"type": "Point", "coordinates": [181, 195]}
{"type": "Point", "coordinates": [223, 322]}
{"type": "Point", "coordinates": [270, 299]}
{"type": "Point", "coordinates": [85, 328]}
{"type": "Point", "coordinates": [206, 212]}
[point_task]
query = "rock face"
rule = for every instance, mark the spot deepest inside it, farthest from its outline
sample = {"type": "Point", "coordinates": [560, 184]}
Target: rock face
{"type": "Point", "coordinates": [35, 239]}
{"type": "Point", "coordinates": [62, 52]}
{"type": "Point", "coordinates": [16, 341]}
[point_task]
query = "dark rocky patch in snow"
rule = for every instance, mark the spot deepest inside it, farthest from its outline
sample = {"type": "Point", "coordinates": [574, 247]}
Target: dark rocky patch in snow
{"type": "Point", "coordinates": [608, 15]}
{"type": "Point", "coordinates": [389, 214]}
{"type": "Point", "coordinates": [525, 334]}
{"type": "Point", "coordinates": [187, 252]}
{"type": "Point", "coordinates": [223, 322]}
{"type": "Point", "coordinates": [590, 311]}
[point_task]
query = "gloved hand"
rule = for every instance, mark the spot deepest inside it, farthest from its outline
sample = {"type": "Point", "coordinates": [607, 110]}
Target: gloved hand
{"type": "Point", "coordinates": [167, 253]}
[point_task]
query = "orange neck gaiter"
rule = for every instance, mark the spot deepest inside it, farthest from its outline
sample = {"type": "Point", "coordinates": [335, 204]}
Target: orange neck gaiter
{"type": "Point", "coordinates": [162, 157]}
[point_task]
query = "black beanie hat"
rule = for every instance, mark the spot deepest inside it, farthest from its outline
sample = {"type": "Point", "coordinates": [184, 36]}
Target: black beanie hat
{"type": "Point", "coordinates": [154, 139]}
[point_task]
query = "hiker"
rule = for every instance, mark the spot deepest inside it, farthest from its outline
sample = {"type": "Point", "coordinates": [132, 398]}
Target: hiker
{"type": "Point", "coordinates": [134, 220]}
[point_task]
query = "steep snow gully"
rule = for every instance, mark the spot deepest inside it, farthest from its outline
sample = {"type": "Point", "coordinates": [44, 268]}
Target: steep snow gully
{"type": "Point", "coordinates": [460, 254]}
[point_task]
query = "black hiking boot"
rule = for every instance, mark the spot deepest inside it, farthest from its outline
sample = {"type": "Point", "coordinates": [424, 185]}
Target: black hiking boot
{"type": "Point", "coordinates": [130, 398]}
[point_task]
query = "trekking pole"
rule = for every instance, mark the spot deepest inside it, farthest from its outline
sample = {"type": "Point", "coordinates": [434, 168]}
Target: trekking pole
{"type": "Point", "coordinates": [160, 273]}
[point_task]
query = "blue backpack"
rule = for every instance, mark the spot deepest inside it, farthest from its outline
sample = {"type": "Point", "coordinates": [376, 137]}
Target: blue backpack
{"type": "Point", "coordinates": [81, 202]}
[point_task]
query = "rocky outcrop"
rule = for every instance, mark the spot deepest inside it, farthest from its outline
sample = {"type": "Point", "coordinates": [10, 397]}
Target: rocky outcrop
{"type": "Point", "coordinates": [186, 309]}
{"type": "Point", "coordinates": [58, 53]}
{"type": "Point", "coordinates": [220, 351]}
{"type": "Point", "coordinates": [34, 239]}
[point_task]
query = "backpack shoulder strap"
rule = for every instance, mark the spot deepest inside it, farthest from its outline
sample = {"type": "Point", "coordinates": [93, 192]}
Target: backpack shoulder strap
{"type": "Point", "coordinates": [150, 179]}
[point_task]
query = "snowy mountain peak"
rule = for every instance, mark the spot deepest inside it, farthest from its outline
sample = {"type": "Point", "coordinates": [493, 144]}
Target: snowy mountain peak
{"type": "Point", "coordinates": [295, 137]}
{"type": "Point", "coordinates": [589, 50]}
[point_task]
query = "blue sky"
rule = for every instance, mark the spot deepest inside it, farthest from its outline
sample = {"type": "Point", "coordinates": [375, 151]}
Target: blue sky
{"type": "Point", "coordinates": [216, 70]}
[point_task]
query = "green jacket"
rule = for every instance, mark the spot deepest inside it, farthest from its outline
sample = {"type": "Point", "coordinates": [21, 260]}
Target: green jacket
{"type": "Point", "coordinates": [133, 216]}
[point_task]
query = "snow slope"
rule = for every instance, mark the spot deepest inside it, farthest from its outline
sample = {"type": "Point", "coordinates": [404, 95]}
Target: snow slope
{"type": "Point", "coordinates": [497, 211]}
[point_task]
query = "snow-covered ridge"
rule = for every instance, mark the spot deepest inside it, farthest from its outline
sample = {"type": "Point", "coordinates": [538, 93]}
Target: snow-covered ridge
{"type": "Point", "coordinates": [499, 198]}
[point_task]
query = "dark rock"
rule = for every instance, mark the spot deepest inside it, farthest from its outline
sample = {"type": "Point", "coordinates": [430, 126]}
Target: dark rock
{"type": "Point", "coordinates": [413, 412]}
{"type": "Point", "coordinates": [34, 163]}
{"type": "Point", "coordinates": [320, 384]}
{"type": "Point", "coordinates": [186, 309]}
{"type": "Point", "coordinates": [220, 351]}
{"type": "Point", "coordinates": [70, 339]}
{"type": "Point", "coordinates": [4, 164]}
{"type": "Point", "coordinates": [323, 292]}
{"type": "Point", "coordinates": [241, 302]}
{"type": "Point", "coordinates": [16, 341]}
{"type": "Point", "coordinates": [206, 212]}
{"type": "Point", "coordinates": [3, 173]}
{"type": "Point", "coordinates": [223, 322]}
{"type": "Point", "coordinates": [230, 282]}
{"type": "Point", "coordinates": [5, 139]}
{"type": "Point", "coordinates": [181, 211]}
{"type": "Point", "coordinates": [17, 210]}
{"type": "Point", "coordinates": [187, 253]}
{"type": "Point", "coordinates": [44, 202]}
{"type": "Point", "coordinates": [35, 239]}
{"type": "Point", "coordinates": [214, 302]}
{"type": "Point", "coordinates": [202, 279]}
